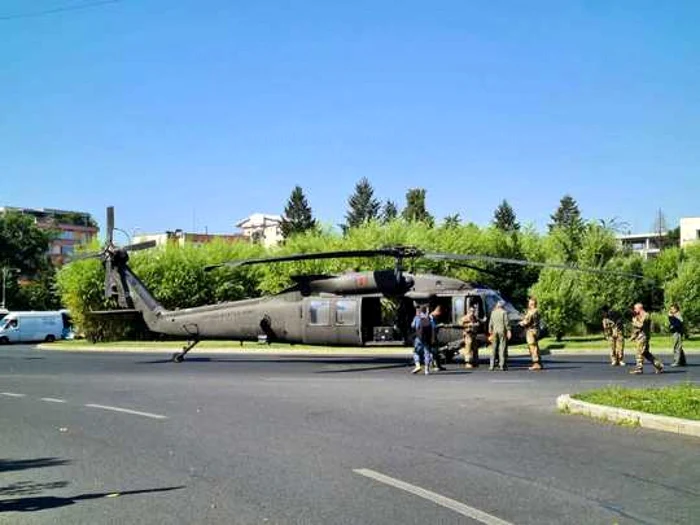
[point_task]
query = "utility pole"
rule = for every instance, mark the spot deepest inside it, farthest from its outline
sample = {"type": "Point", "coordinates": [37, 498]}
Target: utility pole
{"type": "Point", "coordinates": [5, 271]}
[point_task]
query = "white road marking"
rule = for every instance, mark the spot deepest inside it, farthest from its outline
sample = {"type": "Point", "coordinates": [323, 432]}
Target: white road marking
{"type": "Point", "coordinates": [11, 394]}
{"type": "Point", "coordinates": [127, 411]}
{"type": "Point", "coordinates": [458, 507]}
{"type": "Point", "coordinates": [53, 400]}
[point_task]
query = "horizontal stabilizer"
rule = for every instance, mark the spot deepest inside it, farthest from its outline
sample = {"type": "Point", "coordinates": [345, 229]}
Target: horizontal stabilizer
{"type": "Point", "coordinates": [124, 311]}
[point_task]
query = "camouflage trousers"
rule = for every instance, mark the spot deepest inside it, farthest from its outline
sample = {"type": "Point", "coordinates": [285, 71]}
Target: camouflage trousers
{"type": "Point", "coordinates": [533, 346]}
{"type": "Point", "coordinates": [644, 353]}
{"type": "Point", "coordinates": [471, 350]}
{"type": "Point", "coordinates": [617, 349]}
{"type": "Point", "coordinates": [678, 353]}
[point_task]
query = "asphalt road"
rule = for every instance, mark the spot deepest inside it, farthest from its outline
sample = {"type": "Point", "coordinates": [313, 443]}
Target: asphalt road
{"type": "Point", "coordinates": [132, 438]}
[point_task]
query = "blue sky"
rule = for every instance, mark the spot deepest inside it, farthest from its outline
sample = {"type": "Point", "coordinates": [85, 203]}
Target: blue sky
{"type": "Point", "coordinates": [199, 112]}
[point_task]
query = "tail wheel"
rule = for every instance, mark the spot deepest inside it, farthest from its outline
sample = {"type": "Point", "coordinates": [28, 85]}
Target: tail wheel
{"type": "Point", "coordinates": [50, 338]}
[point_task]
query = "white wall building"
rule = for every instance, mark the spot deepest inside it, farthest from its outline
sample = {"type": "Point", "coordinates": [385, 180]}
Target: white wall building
{"type": "Point", "coordinates": [263, 228]}
{"type": "Point", "coordinates": [181, 238]}
{"type": "Point", "coordinates": [648, 245]}
{"type": "Point", "coordinates": [690, 230]}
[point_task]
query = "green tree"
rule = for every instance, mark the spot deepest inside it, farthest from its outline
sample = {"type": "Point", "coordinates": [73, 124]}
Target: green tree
{"type": "Point", "coordinates": [452, 221]}
{"type": "Point", "coordinates": [24, 250]}
{"type": "Point", "coordinates": [684, 289]}
{"type": "Point", "coordinates": [567, 215]}
{"type": "Point", "coordinates": [504, 218]}
{"type": "Point", "coordinates": [415, 210]}
{"type": "Point", "coordinates": [362, 206]}
{"type": "Point", "coordinates": [389, 212]}
{"type": "Point", "coordinates": [297, 214]}
{"type": "Point", "coordinates": [559, 300]}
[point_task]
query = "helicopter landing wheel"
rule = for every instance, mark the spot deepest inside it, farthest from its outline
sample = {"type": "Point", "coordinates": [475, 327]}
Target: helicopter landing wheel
{"type": "Point", "coordinates": [178, 357]}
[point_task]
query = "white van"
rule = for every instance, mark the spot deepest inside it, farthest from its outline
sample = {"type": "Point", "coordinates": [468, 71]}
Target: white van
{"type": "Point", "coordinates": [22, 327]}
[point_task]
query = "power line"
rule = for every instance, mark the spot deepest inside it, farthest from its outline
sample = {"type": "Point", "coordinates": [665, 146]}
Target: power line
{"type": "Point", "coordinates": [61, 9]}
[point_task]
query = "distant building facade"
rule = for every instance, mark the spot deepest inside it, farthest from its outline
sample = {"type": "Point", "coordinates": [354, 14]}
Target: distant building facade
{"type": "Point", "coordinates": [648, 245]}
{"type": "Point", "coordinates": [690, 230]}
{"type": "Point", "coordinates": [263, 228]}
{"type": "Point", "coordinates": [73, 229]}
{"type": "Point", "coordinates": [180, 238]}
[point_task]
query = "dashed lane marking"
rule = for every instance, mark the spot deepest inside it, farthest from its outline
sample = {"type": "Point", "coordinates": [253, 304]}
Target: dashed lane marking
{"type": "Point", "coordinates": [53, 400]}
{"type": "Point", "coordinates": [127, 411]}
{"type": "Point", "coordinates": [11, 394]}
{"type": "Point", "coordinates": [456, 506]}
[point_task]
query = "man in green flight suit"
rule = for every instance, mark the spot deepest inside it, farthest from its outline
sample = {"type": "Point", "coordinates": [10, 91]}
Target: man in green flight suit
{"type": "Point", "coordinates": [641, 333]}
{"type": "Point", "coordinates": [499, 333]}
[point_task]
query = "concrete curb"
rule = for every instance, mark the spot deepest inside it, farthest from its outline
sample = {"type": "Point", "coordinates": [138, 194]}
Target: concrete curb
{"type": "Point", "coordinates": [674, 425]}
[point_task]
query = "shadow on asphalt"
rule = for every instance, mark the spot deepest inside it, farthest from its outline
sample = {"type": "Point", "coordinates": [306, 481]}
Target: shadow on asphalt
{"type": "Point", "coordinates": [51, 502]}
{"type": "Point", "coordinates": [396, 361]}
{"type": "Point", "coordinates": [23, 488]}
{"type": "Point", "coordinates": [8, 465]}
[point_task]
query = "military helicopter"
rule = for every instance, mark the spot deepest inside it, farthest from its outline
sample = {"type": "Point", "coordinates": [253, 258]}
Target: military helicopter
{"type": "Point", "coordinates": [367, 308]}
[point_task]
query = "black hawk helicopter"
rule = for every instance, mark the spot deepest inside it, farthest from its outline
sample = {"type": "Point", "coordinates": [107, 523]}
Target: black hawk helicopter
{"type": "Point", "coordinates": [352, 309]}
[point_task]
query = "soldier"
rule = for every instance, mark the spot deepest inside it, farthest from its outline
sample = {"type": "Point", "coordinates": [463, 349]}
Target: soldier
{"type": "Point", "coordinates": [641, 333]}
{"type": "Point", "coordinates": [614, 331]}
{"type": "Point", "coordinates": [675, 321]}
{"type": "Point", "coordinates": [499, 331]}
{"type": "Point", "coordinates": [423, 328]}
{"type": "Point", "coordinates": [471, 324]}
{"type": "Point", "coordinates": [531, 323]}
{"type": "Point", "coordinates": [434, 344]}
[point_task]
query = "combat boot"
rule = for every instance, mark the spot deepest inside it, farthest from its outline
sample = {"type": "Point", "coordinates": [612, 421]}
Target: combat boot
{"type": "Point", "coordinates": [658, 367]}
{"type": "Point", "coordinates": [535, 366]}
{"type": "Point", "coordinates": [637, 370]}
{"type": "Point", "coordinates": [416, 369]}
{"type": "Point", "coordinates": [469, 365]}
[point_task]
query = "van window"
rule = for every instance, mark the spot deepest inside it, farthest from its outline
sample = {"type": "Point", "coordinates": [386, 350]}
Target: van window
{"type": "Point", "coordinates": [319, 313]}
{"type": "Point", "coordinates": [345, 313]}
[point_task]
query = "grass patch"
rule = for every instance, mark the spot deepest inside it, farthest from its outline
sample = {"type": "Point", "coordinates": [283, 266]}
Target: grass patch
{"type": "Point", "coordinates": [598, 342]}
{"type": "Point", "coordinates": [676, 401]}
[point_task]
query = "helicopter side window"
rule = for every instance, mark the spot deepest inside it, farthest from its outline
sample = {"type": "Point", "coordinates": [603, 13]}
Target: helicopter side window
{"type": "Point", "coordinates": [319, 313]}
{"type": "Point", "coordinates": [457, 309]}
{"type": "Point", "coordinates": [345, 313]}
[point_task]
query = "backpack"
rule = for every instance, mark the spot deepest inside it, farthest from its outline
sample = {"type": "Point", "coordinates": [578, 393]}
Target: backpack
{"type": "Point", "coordinates": [424, 332]}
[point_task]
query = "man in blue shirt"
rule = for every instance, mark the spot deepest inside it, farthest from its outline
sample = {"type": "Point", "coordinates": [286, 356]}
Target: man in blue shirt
{"type": "Point", "coordinates": [424, 327]}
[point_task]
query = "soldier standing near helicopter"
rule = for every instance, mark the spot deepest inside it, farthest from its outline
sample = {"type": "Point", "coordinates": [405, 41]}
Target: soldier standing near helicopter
{"type": "Point", "coordinates": [499, 334]}
{"type": "Point", "coordinates": [641, 333]}
{"type": "Point", "coordinates": [614, 331]}
{"type": "Point", "coordinates": [531, 324]}
{"type": "Point", "coordinates": [471, 324]}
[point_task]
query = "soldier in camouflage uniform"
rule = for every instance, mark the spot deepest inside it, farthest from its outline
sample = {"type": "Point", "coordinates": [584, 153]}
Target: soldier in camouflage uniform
{"type": "Point", "coordinates": [531, 324]}
{"type": "Point", "coordinates": [471, 324]}
{"type": "Point", "coordinates": [641, 333]}
{"type": "Point", "coordinates": [614, 330]}
{"type": "Point", "coordinates": [499, 331]}
{"type": "Point", "coordinates": [677, 329]}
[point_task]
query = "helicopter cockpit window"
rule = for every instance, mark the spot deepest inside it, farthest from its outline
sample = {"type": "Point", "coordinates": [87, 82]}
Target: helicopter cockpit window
{"type": "Point", "coordinates": [345, 313]}
{"type": "Point", "coordinates": [320, 313]}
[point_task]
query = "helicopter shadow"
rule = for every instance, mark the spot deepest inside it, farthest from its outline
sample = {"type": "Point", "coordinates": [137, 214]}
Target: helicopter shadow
{"type": "Point", "coordinates": [35, 504]}
{"type": "Point", "coordinates": [395, 361]}
{"type": "Point", "coordinates": [11, 465]}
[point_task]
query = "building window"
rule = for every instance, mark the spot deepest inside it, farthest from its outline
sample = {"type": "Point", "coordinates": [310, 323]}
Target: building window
{"type": "Point", "coordinates": [67, 250]}
{"type": "Point", "coordinates": [319, 313]}
{"type": "Point", "coordinates": [66, 235]}
{"type": "Point", "coordinates": [345, 313]}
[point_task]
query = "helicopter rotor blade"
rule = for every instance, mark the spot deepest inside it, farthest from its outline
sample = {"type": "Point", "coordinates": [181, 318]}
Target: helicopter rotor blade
{"type": "Point", "coordinates": [493, 273]}
{"type": "Point", "coordinates": [110, 225]}
{"type": "Point", "coordinates": [379, 252]}
{"type": "Point", "coordinates": [522, 262]}
{"type": "Point", "coordinates": [139, 246]}
{"type": "Point", "coordinates": [108, 278]}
